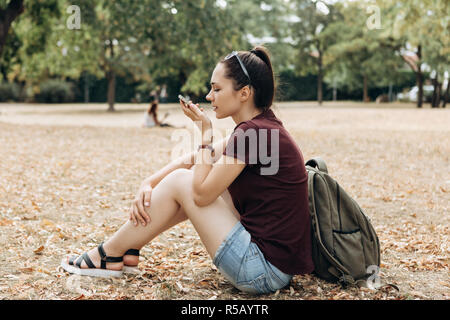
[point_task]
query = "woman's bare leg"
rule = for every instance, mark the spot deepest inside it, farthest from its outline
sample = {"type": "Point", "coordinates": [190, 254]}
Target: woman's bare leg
{"type": "Point", "coordinates": [171, 202]}
{"type": "Point", "coordinates": [181, 216]}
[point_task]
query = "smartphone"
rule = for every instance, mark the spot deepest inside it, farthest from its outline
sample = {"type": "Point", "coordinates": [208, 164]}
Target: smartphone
{"type": "Point", "coordinates": [185, 101]}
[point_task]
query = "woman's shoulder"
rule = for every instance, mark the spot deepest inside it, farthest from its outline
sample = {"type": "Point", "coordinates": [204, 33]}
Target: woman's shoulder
{"type": "Point", "coordinates": [245, 125]}
{"type": "Point", "coordinates": [265, 120]}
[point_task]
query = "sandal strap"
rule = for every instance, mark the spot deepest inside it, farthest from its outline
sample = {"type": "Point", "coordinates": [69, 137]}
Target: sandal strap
{"type": "Point", "coordinates": [72, 260]}
{"type": "Point", "coordinates": [78, 260]}
{"type": "Point", "coordinates": [132, 252]}
{"type": "Point", "coordinates": [88, 260]}
{"type": "Point", "coordinates": [104, 258]}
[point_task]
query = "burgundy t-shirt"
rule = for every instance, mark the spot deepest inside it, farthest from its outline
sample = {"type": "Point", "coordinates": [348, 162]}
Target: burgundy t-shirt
{"type": "Point", "coordinates": [271, 193]}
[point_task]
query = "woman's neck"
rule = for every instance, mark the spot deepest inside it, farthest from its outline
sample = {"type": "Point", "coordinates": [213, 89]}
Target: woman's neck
{"type": "Point", "coordinates": [245, 114]}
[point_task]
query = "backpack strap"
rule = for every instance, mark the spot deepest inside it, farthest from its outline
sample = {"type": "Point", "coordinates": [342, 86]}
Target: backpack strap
{"type": "Point", "coordinates": [343, 279]}
{"type": "Point", "coordinates": [318, 163]}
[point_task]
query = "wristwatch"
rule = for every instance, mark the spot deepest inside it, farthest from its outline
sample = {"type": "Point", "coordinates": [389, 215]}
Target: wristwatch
{"type": "Point", "coordinates": [206, 146]}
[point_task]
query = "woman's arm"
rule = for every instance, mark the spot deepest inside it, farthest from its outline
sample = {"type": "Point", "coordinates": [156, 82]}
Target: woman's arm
{"type": "Point", "coordinates": [143, 197]}
{"type": "Point", "coordinates": [210, 181]}
{"type": "Point", "coordinates": [186, 161]}
{"type": "Point", "coordinates": [212, 178]}
{"type": "Point", "coordinates": [155, 118]}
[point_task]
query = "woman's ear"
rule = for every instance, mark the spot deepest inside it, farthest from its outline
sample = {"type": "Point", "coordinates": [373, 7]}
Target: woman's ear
{"type": "Point", "coordinates": [245, 93]}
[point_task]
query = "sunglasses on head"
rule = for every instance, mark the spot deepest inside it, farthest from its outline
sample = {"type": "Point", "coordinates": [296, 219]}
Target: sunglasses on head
{"type": "Point", "coordinates": [235, 54]}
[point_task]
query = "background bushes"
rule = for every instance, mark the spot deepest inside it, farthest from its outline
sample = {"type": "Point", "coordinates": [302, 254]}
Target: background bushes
{"type": "Point", "coordinates": [55, 91]}
{"type": "Point", "coordinates": [10, 92]}
{"type": "Point", "coordinates": [291, 87]}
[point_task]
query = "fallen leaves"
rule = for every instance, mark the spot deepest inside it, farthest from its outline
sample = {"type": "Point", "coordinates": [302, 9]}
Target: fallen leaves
{"type": "Point", "coordinates": [428, 263]}
{"type": "Point", "coordinates": [39, 250]}
{"type": "Point", "coordinates": [63, 190]}
{"type": "Point", "coordinates": [5, 222]}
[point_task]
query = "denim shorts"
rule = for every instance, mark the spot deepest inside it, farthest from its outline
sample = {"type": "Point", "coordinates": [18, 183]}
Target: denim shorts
{"type": "Point", "coordinates": [244, 265]}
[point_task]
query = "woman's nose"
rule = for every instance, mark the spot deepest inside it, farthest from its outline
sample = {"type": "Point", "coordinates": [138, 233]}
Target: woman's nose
{"type": "Point", "coordinates": [209, 96]}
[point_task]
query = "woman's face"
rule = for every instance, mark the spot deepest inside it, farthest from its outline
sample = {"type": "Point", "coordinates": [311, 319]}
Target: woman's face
{"type": "Point", "coordinates": [222, 95]}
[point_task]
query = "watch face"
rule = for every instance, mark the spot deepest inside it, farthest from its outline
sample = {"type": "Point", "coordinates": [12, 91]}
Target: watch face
{"type": "Point", "coordinates": [206, 146]}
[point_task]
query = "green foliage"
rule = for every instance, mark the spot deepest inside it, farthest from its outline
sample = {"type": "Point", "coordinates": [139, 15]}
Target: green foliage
{"type": "Point", "coordinates": [359, 52]}
{"type": "Point", "coordinates": [55, 91]}
{"type": "Point", "coordinates": [151, 42]}
{"type": "Point", "coordinates": [313, 33]}
{"type": "Point", "coordinates": [9, 92]}
{"type": "Point", "coordinates": [425, 23]}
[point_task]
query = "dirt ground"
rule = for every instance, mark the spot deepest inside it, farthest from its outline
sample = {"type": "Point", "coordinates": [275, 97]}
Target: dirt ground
{"type": "Point", "coordinates": [68, 174]}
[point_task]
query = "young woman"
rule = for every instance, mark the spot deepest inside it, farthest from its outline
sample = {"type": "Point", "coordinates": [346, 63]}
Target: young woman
{"type": "Point", "coordinates": [151, 116]}
{"type": "Point", "coordinates": [252, 216]}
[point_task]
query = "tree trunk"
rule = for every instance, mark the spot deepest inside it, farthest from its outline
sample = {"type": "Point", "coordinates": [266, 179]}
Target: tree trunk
{"type": "Point", "coordinates": [446, 95]}
{"type": "Point", "coordinates": [390, 93]}
{"type": "Point", "coordinates": [436, 99]}
{"type": "Point", "coordinates": [111, 77]}
{"type": "Point", "coordinates": [365, 89]}
{"type": "Point", "coordinates": [319, 79]}
{"type": "Point", "coordinates": [433, 97]}
{"type": "Point", "coordinates": [419, 77]}
{"type": "Point", "coordinates": [439, 94]}
{"type": "Point", "coordinates": [86, 87]}
{"type": "Point", "coordinates": [419, 81]}
{"type": "Point", "coordinates": [3, 72]}
{"type": "Point", "coordinates": [7, 16]}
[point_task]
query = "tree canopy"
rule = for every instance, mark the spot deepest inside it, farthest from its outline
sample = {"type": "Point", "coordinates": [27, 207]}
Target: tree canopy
{"type": "Point", "coordinates": [356, 44]}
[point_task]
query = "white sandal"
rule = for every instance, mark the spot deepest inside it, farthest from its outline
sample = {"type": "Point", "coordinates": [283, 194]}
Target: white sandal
{"type": "Point", "coordinates": [74, 265]}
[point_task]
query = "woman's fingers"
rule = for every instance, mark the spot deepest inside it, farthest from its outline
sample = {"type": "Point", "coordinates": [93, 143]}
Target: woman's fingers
{"type": "Point", "coordinates": [140, 208]}
{"type": "Point", "coordinates": [139, 216]}
{"type": "Point", "coordinates": [143, 199]}
{"type": "Point", "coordinates": [186, 110]}
{"type": "Point", "coordinates": [196, 114]}
{"type": "Point", "coordinates": [147, 198]}
{"type": "Point", "coordinates": [132, 216]}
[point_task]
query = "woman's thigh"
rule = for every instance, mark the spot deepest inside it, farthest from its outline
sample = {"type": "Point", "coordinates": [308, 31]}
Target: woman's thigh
{"type": "Point", "coordinates": [226, 196]}
{"type": "Point", "coordinates": [212, 222]}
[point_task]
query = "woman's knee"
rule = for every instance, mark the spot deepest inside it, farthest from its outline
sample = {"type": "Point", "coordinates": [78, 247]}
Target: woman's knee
{"type": "Point", "coordinates": [179, 177]}
{"type": "Point", "coordinates": [181, 174]}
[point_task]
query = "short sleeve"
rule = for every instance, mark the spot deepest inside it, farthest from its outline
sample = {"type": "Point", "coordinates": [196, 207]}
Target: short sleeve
{"type": "Point", "coordinates": [243, 144]}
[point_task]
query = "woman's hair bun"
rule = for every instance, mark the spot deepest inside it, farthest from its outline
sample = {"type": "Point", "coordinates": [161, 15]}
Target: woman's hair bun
{"type": "Point", "coordinates": [262, 53]}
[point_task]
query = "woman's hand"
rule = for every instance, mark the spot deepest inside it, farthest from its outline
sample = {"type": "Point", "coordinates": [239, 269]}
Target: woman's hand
{"type": "Point", "coordinates": [140, 204]}
{"type": "Point", "coordinates": [197, 114]}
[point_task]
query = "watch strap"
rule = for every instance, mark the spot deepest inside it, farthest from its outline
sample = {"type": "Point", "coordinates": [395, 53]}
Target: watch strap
{"type": "Point", "coordinates": [206, 146]}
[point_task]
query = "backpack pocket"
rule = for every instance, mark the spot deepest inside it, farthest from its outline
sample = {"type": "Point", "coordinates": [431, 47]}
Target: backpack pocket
{"type": "Point", "coordinates": [349, 251]}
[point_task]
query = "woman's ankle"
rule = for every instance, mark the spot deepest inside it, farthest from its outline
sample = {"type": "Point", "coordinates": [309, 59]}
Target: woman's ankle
{"type": "Point", "coordinates": [111, 250]}
{"type": "Point", "coordinates": [130, 260]}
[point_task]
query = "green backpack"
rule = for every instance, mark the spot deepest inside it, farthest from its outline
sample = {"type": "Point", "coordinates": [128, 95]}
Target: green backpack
{"type": "Point", "coordinates": [344, 243]}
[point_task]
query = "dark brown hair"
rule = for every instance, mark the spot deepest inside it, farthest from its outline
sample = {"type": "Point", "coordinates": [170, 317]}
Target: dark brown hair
{"type": "Point", "coordinates": [152, 108]}
{"type": "Point", "coordinates": [258, 65]}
